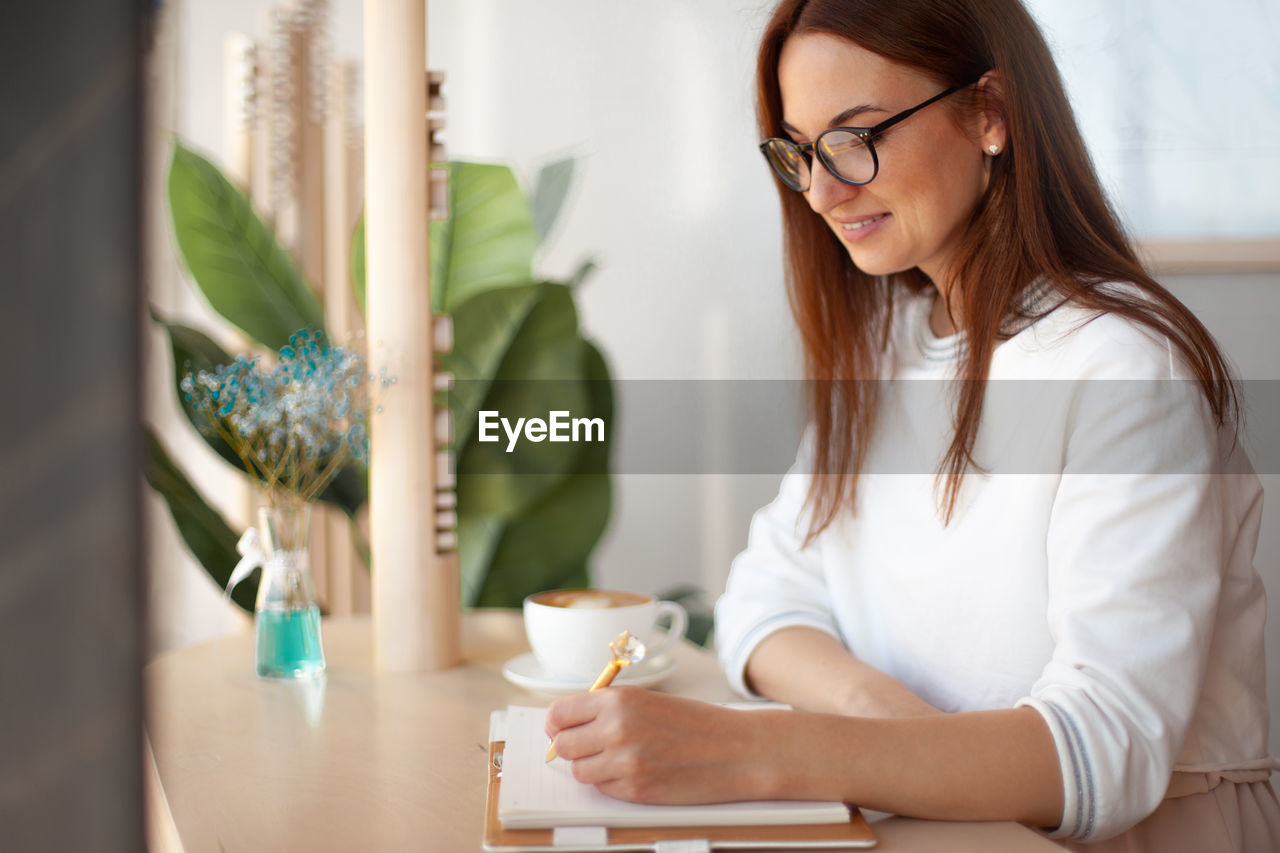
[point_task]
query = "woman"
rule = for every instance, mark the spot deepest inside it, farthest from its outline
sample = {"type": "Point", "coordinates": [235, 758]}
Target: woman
{"type": "Point", "coordinates": [1059, 622]}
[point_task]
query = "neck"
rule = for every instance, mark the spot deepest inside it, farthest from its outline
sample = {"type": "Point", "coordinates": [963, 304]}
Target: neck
{"type": "Point", "coordinates": [940, 321]}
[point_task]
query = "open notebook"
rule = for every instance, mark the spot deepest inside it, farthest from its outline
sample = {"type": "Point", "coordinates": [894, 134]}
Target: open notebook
{"type": "Point", "coordinates": [536, 795]}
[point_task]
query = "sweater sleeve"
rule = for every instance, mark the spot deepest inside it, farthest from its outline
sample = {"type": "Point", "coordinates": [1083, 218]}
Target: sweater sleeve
{"type": "Point", "coordinates": [775, 583]}
{"type": "Point", "coordinates": [1137, 548]}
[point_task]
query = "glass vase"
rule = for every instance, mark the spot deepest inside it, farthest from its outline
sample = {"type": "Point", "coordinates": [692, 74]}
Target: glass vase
{"type": "Point", "coordinates": [286, 617]}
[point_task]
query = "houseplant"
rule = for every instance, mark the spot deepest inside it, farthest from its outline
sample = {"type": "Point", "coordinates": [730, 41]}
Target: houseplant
{"type": "Point", "coordinates": [517, 534]}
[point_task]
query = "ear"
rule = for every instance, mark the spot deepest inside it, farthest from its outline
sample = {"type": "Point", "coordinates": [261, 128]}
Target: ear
{"type": "Point", "coordinates": [992, 130]}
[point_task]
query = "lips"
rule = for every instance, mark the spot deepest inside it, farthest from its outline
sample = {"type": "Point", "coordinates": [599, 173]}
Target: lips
{"type": "Point", "coordinates": [862, 223]}
{"type": "Point", "coordinates": [862, 227]}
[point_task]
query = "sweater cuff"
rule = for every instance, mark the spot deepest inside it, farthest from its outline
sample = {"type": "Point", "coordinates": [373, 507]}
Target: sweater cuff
{"type": "Point", "coordinates": [733, 658]}
{"type": "Point", "coordinates": [1079, 792]}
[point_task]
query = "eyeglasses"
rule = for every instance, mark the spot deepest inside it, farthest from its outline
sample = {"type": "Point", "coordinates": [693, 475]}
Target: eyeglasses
{"type": "Point", "coordinates": [848, 153]}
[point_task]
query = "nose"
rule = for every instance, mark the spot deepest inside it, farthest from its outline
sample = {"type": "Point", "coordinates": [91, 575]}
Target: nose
{"type": "Point", "coordinates": [826, 191]}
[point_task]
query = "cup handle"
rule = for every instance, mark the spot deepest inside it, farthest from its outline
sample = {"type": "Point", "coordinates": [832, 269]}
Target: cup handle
{"type": "Point", "coordinates": [675, 633]}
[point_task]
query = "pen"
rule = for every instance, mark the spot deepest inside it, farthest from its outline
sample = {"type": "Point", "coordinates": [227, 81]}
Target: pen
{"type": "Point", "coordinates": [626, 650]}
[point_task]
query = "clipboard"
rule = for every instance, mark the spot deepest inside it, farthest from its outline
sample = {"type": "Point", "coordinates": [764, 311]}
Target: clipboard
{"type": "Point", "coordinates": [855, 834]}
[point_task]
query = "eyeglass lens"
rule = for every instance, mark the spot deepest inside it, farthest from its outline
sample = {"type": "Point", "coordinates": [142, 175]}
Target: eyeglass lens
{"type": "Point", "coordinates": [848, 155]}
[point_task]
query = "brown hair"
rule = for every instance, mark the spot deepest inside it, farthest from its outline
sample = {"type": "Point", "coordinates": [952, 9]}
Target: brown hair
{"type": "Point", "coordinates": [1043, 199]}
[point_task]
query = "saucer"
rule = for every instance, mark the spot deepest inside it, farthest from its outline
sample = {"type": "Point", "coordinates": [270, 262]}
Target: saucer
{"type": "Point", "coordinates": [525, 671]}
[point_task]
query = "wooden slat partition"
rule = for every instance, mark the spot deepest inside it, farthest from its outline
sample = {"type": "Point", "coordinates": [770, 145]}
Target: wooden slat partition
{"type": "Point", "coordinates": [342, 171]}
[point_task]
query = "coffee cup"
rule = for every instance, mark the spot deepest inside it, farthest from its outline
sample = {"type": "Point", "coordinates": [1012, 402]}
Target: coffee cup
{"type": "Point", "coordinates": [570, 630]}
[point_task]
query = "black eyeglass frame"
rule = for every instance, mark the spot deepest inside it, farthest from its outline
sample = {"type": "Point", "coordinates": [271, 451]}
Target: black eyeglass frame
{"type": "Point", "coordinates": [866, 134]}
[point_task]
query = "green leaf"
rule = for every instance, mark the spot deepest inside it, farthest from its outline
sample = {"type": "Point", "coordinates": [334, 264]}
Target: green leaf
{"type": "Point", "coordinates": [488, 240]}
{"type": "Point", "coordinates": [548, 546]}
{"type": "Point", "coordinates": [550, 189]}
{"type": "Point", "coordinates": [349, 489]}
{"type": "Point", "coordinates": [206, 534]}
{"type": "Point", "coordinates": [233, 255]}
{"type": "Point", "coordinates": [542, 371]}
{"type": "Point", "coordinates": [483, 329]}
{"type": "Point", "coordinates": [194, 351]}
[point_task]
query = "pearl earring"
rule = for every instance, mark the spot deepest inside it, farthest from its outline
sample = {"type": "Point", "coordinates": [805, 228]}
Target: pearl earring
{"type": "Point", "coordinates": [994, 149]}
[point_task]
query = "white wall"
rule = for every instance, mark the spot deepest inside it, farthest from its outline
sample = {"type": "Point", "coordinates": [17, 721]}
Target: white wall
{"type": "Point", "coordinates": [676, 205]}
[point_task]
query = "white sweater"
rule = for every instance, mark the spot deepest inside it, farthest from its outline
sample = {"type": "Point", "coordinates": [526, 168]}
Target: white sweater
{"type": "Point", "coordinates": [1099, 569]}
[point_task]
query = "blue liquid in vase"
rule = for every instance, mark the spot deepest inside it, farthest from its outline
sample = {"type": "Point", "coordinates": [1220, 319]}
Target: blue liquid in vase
{"type": "Point", "coordinates": [288, 643]}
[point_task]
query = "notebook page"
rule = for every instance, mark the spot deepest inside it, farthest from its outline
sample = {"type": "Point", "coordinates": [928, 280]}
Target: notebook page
{"type": "Point", "coordinates": [535, 794]}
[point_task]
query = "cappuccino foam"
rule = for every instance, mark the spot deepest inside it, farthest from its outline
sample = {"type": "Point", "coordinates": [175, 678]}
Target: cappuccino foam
{"type": "Point", "coordinates": [589, 599]}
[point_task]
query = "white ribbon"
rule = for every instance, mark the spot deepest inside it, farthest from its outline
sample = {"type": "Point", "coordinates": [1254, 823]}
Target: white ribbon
{"type": "Point", "coordinates": [275, 565]}
{"type": "Point", "coordinates": [251, 557]}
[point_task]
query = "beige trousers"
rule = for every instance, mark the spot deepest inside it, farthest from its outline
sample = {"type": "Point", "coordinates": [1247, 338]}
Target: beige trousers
{"type": "Point", "coordinates": [1203, 813]}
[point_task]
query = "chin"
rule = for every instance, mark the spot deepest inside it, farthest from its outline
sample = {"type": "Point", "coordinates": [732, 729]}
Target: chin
{"type": "Point", "coordinates": [876, 264]}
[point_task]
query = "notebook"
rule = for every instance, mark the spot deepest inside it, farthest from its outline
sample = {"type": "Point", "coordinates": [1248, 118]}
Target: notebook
{"type": "Point", "coordinates": [534, 805]}
{"type": "Point", "coordinates": [538, 795]}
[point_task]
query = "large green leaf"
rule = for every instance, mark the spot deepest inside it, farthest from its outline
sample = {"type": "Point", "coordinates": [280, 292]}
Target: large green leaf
{"type": "Point", "coordinates": [488, 242]}
{"type": "Point", "coordinates": [234, 256]}
{"type": "Point", "coordinates": [194, 351]}
{"type": "Point", "coordinates": [542, 371]}
{"type": "Point", "coordinates": [518, 351]}
{"type": "Point", "coordinates": [483, 329]}
{"type": "Point", "coordinates": [349, 489]}
{"type": "Point", "coordinates": [548, 546]}
{"type": "Point", "coordinates": [206, 534]}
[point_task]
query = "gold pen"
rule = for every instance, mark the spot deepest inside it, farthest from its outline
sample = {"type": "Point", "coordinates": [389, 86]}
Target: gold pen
{"type": "Point", "coordinates": [626, 650]}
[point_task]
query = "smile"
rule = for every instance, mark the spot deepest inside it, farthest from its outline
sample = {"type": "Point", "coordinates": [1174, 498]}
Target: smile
{"type": "Point", "coordinates": [854, 226]}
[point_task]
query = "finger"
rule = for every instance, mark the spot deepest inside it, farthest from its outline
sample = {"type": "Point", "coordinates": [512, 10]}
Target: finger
{"type": "Point", "coordinates": [570, 711]}
{"type": "Point", "coordinates": [594, 769]}
{"type": "Point", "coordinates": [577, 742]}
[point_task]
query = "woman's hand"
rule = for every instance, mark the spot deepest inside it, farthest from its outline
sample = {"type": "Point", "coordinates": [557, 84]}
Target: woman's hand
{"type": "Point", "coordinates": [649, 747]}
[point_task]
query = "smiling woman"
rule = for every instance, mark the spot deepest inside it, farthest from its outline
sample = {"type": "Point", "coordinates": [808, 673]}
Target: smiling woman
{"type": "Point", "coordinates": [935, 166]}
{"type": "Point", "coordinates": [964, 638]}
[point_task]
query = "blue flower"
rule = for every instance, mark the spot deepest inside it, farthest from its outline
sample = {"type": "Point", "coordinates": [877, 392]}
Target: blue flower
{"type": "Point", "coordinates": [293, 423]}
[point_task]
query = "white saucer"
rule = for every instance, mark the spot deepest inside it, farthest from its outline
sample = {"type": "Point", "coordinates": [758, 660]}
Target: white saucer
{"type": "Point", "coordinates": [525, 671]}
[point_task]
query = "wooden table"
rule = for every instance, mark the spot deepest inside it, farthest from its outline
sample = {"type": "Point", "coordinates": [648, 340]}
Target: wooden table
{"type": "Point", "coordinates": [372, 761]}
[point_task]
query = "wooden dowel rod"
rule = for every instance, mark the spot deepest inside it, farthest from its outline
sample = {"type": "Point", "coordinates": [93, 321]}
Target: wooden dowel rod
{"type": "Point", "coordinates": [415, 594]}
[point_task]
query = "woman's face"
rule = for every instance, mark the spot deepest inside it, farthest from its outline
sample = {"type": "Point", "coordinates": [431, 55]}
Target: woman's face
{"type": "Point", "coordinates": [932, 172]}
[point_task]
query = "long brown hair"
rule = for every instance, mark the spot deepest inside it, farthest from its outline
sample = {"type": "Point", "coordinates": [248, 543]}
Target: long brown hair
{"type": "Point", "coordinates": [1043, 199]}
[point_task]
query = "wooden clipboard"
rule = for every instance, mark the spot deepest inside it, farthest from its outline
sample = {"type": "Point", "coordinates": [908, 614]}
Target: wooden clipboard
{"type": "Point", "coordinates": [683, 839]}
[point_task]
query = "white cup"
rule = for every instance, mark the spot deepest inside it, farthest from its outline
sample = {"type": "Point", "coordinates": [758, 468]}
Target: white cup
{"type": "Point", "coordinates": [570, 630]}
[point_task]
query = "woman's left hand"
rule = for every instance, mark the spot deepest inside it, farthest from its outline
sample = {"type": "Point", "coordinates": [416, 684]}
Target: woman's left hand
{"type": "Point", "coordinates": [649, 747]}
